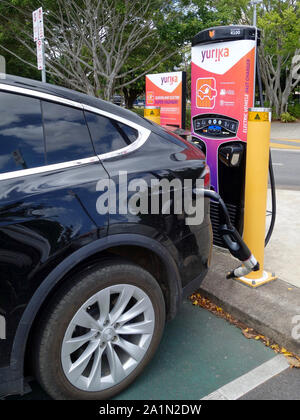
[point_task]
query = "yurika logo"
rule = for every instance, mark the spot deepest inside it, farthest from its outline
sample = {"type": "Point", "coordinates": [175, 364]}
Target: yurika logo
{"type": "Point", "coordinates": [169, 80]}
{"type": "Point", "coordinates": [215, 54]}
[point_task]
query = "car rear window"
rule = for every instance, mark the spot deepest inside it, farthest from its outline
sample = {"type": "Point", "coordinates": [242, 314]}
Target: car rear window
{"type": "Point", "coordinates": [130, 132]}
{"type": "Point", "coordinates": [106, 134]}
{"type": "Point", "coordinates": [66, 133]}
{"type": "Point", "coordinates": [21, 133]}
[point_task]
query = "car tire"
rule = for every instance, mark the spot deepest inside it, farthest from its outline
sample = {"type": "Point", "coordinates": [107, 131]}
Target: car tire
{"type": "Point", "coordinates": [98, 332]}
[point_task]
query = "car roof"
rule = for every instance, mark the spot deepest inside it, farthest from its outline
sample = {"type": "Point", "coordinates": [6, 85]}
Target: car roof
{"type": "Point", "coordinates": [69, 94]}
{"type": "Point", "coordinates": [92, 101]}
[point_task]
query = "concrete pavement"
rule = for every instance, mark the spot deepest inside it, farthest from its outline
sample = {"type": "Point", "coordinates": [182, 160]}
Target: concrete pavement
{"type": "Point", "coordinates": [290, 131]}
{"type": "Point", "coordinates": [285, 135]}
{"type": "Point", "coordinates": [285, 386]}
{"type": "Point", "coordinates": [282, 255]}
{"type": "Point", "coordinates": [270, 309]}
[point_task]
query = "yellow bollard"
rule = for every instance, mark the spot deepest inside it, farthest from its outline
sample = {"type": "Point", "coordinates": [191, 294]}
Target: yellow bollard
{"type": "Point", "coordinates": [152, 113]}
{"type": "Point", "coordinates": [257, 165]}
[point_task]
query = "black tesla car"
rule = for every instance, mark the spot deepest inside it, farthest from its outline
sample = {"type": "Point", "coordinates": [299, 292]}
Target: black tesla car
{"type": "Point", "coordinates": [87, 281]}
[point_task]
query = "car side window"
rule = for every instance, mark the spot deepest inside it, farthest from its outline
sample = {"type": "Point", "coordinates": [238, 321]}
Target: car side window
{"type": "Point", "coordinates": [66, 133]}
{"type": "Point", "coordinates": [130, 132]}
{"type": "Point", "coordinates": [21, 133]}
{"type": "Point", "coordinates": [108, 135]}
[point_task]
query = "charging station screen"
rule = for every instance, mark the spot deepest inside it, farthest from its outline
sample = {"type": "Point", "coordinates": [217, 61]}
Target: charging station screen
{"type": "Point", "coordinates": [167, 91]}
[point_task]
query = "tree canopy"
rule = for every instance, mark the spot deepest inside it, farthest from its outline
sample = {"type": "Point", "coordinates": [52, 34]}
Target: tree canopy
{"type": "Point", "coordinates": [104, 46]}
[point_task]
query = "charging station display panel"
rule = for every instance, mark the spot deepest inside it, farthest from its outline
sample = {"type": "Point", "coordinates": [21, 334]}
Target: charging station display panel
{"type": "Point", "coordinates": [222, 90]}
{"type": "Point", "coordinates": [167, 91]}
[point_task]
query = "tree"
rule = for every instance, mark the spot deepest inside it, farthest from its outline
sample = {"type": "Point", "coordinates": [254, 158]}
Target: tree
{"type": "Point", "coordinates": [137, 88]}
{"type": "Point", "coordinates": [280, 50]}
{"type": "Point", "coordinates": [89, 41]}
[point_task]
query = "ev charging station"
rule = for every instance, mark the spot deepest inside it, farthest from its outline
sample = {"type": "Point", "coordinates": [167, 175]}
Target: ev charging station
{"type": "Point", "coordinates": [223, 119]}
{"type": "Point", "coordinates": [222, 90]}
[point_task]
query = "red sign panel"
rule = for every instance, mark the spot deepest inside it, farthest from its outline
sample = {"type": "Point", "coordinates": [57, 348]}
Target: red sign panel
{"type": "Point", "coordinates": [167, 91]}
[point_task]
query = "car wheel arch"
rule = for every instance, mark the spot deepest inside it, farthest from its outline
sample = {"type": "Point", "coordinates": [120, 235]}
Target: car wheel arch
{"type": "Point", "coordinates": [57, 276]}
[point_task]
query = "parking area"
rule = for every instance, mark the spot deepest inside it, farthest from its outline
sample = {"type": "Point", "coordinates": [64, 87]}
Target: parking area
{"type": "Point", "coordinates": [199, 354]}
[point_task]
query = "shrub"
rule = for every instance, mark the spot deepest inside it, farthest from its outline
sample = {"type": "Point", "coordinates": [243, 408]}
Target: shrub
{"type": "Point", "coordinates": [294, 110]}
{"type": "Point", "coordinates": [286, 117]}
{"type": "Point", "coordinates": [139, 111]}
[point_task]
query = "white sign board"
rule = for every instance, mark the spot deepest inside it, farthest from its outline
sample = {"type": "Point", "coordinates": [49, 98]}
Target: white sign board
{"type": "Point", "coordinates": [39, 54]}
{"type": "Point", "coordinates": [38, 24]}
{"type": "Point", "coordinates": [35, 25]}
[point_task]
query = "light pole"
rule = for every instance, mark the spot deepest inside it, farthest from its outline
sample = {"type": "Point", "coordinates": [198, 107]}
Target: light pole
{"type": "Point", "coordinates": [44, 62]}
{"type": "Point", "coordinates": [254, 3]}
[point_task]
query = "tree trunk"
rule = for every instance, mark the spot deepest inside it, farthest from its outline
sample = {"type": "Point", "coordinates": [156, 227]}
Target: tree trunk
{"type": "Point", "coordinates": [284, 101]}
{"type": "Point", "coordinates": [130, 96]}
{"type": "Point", "coordinates": [108, 90]}
{"type": "Point", "coordinates": [289, 84]}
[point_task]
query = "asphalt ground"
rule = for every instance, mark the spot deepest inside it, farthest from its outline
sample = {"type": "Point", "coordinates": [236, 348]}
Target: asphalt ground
{"type": "Point", "coordinates": [199, 354]}
{"type": "Point", "coordinates": [284, 386]}
{"type": "Point", "coordinates": [286, 168]}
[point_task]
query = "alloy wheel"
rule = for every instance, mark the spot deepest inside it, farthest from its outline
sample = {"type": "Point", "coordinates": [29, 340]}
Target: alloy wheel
{"type": "Point", "coordinates": [108, 337]}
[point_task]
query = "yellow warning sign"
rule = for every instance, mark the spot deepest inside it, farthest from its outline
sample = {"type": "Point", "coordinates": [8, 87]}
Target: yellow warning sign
{"type": "Point", "coordinates": [152, 114]}
{"type": "Point", "coordinates": [259, 116]}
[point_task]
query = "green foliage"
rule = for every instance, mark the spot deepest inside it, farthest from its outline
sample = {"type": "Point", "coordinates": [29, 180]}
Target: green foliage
{"type": "Point", "coordinates": [174, 24]}
{"type": "Point", "coordinates": [286, 118]}
{"type": "Point", "coordinates": [139, 111]}
{"type": "Point", "coordinates": [280, 23]}
{"type": "Point", "coordinates": [188, 117]}
{"type": "Point", "coordinates": [294, 110]}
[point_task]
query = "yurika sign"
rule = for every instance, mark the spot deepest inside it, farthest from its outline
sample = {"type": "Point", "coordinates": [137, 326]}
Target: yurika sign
{"type": "Point", "coordinates": [168, 91]}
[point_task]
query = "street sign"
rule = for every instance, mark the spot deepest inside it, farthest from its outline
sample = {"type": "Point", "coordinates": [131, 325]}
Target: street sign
{"type": "Point", "coordinates": [35, 25]}
{"type": "Point", "coordinates": [41, 23]}
{"type": "Point", "coordinates": [38, 24]}
{"type": "Point", "coordinates": [38, 36]}
{"type": "Point", "coordinates": [39, 54]}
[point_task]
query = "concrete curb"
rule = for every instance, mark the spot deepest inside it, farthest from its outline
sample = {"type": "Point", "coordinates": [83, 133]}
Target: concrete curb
{"type": "Point", "coordinates": [269, 309]}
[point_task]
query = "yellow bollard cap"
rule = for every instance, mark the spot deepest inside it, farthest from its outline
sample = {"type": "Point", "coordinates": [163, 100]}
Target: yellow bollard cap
{"type": "Point", "coordinates": [259, 114]}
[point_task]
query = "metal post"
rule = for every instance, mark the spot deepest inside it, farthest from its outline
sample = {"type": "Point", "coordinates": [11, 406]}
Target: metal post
{"type": "Point", "coordinates": [44, 62]}
{"type": "Point", "coordinates": [254, 15]}
{"type": "Point", "coordinates": [257, 164]}
{"type": "Point", "coordinates": [254, 3]}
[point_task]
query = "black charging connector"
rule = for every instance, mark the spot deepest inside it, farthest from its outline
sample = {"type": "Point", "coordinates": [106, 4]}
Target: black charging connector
{"type": "Point", "coordinates": [233, 240]}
